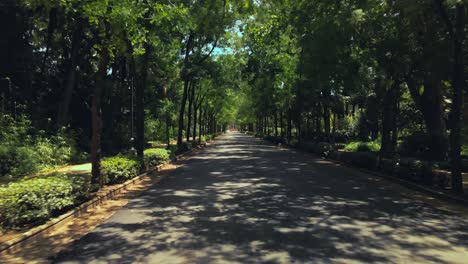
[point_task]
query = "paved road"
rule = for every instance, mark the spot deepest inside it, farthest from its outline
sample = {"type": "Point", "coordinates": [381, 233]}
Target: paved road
{"type": "Point", "coordinates": [244, 201]}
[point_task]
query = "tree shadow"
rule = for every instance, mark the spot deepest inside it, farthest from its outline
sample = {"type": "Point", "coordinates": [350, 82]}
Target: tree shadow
{"type": "Point", "coordinates": [248, 202]}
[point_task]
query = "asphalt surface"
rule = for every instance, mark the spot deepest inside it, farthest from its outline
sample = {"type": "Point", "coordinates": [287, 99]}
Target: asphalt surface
{"type": "Point", "coordinates": [242, 200]}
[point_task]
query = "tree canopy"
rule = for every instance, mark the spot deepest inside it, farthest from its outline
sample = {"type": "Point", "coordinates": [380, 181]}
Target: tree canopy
{"type": "Point", "coordinates": [123, 74]}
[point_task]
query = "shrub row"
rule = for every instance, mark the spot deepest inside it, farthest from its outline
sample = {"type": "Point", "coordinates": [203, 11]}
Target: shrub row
{"type": "Point", "coordinates": [424, 172]}
{"type": "Point", "coordinates": [156, 156]}
{"type": "Point", "coordinates": [189, 145]}
{"type": "Point", "coordinates": [36, 200]}
{"type": "Point", "coordinates": [119, 169]}
{"type": "Point", "coordinates": [360, 146]}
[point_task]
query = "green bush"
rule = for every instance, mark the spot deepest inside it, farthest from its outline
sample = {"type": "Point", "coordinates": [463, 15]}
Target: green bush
{"type": "Point", "coordinates": [360, 146]}
{"type": "Point", "coordinates": [36, 200]}
{"type": "Point", "coordinates": [465, 150]}
{"type": "Point", "coordinates": [25, 151]}
{"type": "Point", "coordinates": [156, 156]}
{"type": "Point", "coordinates": [203, 140]}
{"type": "Point", "coordinates": [18, 160]}
{"type": "Point", "coordinates": [119, 168]}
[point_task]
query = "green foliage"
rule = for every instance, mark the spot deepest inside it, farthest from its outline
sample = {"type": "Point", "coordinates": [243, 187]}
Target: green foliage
{"type": "Point", "coordinates": [156, 156]}
{"type": "Point", "coordinates": [465, 151]}
{"type": "Point", "coordinates": [37, 199]}
{"type": "Point", "coordinates": [24, 151]}
{"type": "Point", "coordinates": [15, 161]}
{"type": "Point", "coordinates": [119, 168]}
{"type": "Point", "coordinates": [203, 140]}
{"type": "Point", "coordinates": [359, 146]}
{"type": "Point", "coordinates": [58, 150]}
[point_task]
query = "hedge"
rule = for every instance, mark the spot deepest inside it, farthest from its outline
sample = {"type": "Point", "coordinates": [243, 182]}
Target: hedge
{"type": "Point", "coordinates": [119, 169]}
{"type": "Point", "coordinates": [406, 168]}
{"type": "Point", "coordinates": [36, 200]}
{"type": "Point", "coordinates": [156, 156]}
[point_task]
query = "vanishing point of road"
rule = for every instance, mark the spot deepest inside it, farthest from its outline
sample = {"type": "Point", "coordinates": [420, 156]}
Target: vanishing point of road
{"type": "Point", "coordinates": [242, 200]}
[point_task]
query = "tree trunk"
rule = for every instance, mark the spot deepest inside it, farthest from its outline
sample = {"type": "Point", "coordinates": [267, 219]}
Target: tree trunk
{"type": "Point", "coordinates": [326, 122]}
{"type": "Point", "coordinates": [194, 122]}
{"type": "Point", "coordinates": [140, 104]}
{"type": "Point", "coordinates": [64, 106]}
{"type": "Point", "coordinates": [182, 112]}
{"type": "Point", "coordinates": [289, 133]}
{"type": "Point", "coordinates": [168, 136]}
{"type": "Point", "coordinates": [189, 114]}
{"type": "Point", "coordinates": [432, 108]}
{"type": "Point", "coordinates": [457, 102]}
{"type": "Point", "coordinates": [388, 119]}
{"type": "Point", "coordinates": [186, 75]}
{"type": "Point", "coordinates": [200, 124]}
{"type": "Point", "coordinates": [50, 33]}
{"type": "Point", "coordinates": [282, 125]}
{"type": "Point", "coordinates": [96, 117]}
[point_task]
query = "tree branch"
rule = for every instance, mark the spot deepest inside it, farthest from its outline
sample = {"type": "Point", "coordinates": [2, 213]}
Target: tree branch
{"type": "Point", "coordinates": [217, 36]}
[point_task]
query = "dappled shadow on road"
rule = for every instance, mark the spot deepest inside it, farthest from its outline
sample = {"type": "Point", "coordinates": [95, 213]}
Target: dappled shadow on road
{"type": "Point", "coordinates": [245, 201]}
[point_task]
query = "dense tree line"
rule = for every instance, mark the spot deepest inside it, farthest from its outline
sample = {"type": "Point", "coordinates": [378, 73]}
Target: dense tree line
{"type": "Point", "coordinates": [387, 71]}
{"type": "Point", "coordinates": [111, 70]}
{"type": "Point", "coordinates": [118, 74]}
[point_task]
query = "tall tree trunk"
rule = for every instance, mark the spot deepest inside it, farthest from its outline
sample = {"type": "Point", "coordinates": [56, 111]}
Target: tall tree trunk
{"type": "Point", "coordinates": [200, 124]}
{"type": "Point", "coordinates": [432, 108]}
{"type": "Point", "coordinates": [282, 125]}
{"type": "Point", "coordinates": [195, 110]}
{"type": "Point", "coordinates": [96, 117]}
{"type": "Point", "coordinates": [326, 122]}
{"type": "Point", "coordinates": [189, 114]}
{"type": "Point", "coordinates": [140, 103]}
{"type": "Point", "coordinates": [318, 122]}
{"type": "Point", "coordinates": [182, 111]}
{"type": "Point", "coordinates": [457, 104]}
{"type": "Point", "coordinates": [50, 34]}
{"type": "Point", "coordinates": [289, 133]}
{"type": "Point", "coordinates": [64, 106]}
{"type": "Point", "coordinates": [168, 136]}
{"type": "Point", "coordinates": [388, 120]}
{"type": "Point", "coordinates": [276, 123]}
{"type": "Point", "coordinates": [335, 118]}
{"type": "Point", "coordinates": [186, 75]}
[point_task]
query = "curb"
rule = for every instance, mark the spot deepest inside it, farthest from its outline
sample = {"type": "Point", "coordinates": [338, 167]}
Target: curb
{"type": "Point", "coordinates": [17, 243]}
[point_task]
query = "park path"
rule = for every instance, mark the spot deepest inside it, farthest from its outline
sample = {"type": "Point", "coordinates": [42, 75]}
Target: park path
{"type": "Point", "coordinates": [242, 200]}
